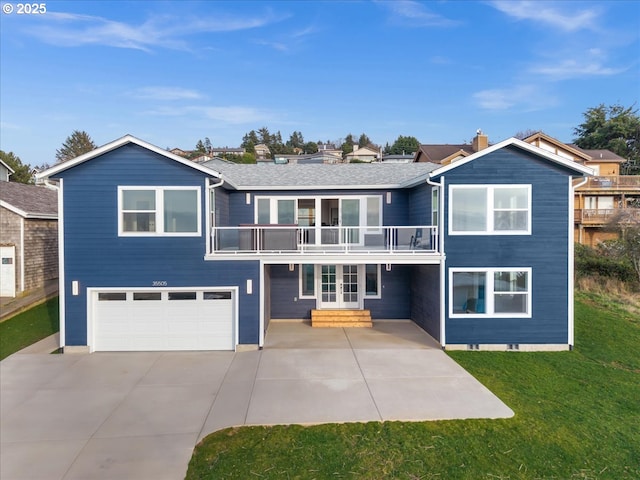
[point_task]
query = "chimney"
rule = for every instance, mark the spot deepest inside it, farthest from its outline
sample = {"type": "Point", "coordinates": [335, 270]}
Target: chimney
{"type": "Point", "coordinates": [480, 141]}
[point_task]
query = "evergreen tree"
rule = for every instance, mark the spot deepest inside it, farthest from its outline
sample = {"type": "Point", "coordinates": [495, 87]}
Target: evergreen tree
{"type": "Point", "coordinates": [21, 172]}
{"type": "Point", "coordinates": [404, 146]}
{"type": "Point", "coordinates": [76, 144]}
{"type": "Point", "coordinates": [614, 128]}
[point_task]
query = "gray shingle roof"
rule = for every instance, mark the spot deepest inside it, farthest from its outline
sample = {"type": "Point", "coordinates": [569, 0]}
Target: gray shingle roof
{"type": "Point", "coordinates": [31, 200]}
{"type": "Point", "coordinates": [322, 176]}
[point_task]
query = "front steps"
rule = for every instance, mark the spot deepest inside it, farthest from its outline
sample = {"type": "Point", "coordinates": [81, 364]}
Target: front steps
{"type": "Point", "coordinates": [341, 318]}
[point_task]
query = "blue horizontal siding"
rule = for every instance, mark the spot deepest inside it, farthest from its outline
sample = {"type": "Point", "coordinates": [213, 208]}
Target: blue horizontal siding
{"type": "Point", "coordinates": [394, 304]}
{"type": "Point", "coordinates": [425, 298]}
{"type": "Point", "coordinates": [96, 256]}
{"type": "Point", "coordinates": [545, 251]}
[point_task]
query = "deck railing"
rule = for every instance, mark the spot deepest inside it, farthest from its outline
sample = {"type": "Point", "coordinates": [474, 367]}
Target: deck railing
{"type": "Point", "coordinates": [612, 182]}
{"type": "Point", "coordinates": [260, 239]}
{"type": "Point", "coordinates": [588, 216]}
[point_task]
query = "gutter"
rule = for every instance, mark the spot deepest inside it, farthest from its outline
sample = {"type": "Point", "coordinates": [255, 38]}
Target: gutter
{"type": "Point", "coordinates": [440, 187]}
{"type": "Point", "coordinates": [61, 272]}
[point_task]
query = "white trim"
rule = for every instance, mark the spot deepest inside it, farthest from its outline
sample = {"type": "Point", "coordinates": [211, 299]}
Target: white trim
{"type": "Point", "coordinates": [443, 303]}
{"type": "Point", "coordinates": [22, 267]}
{"type": "Point", "coordinates": [91, 307]}
{"type": "Point", "coordinates": [378, 280]}
{"type": "Point", "coordinates": [117, 144]}
{"type": "Point", "coordinates": [23, 214]}
{"type": "Point", "coordinates": [159, 211]}
{"type": "Point", "coordinates": [522, 145]}
{"type": "Point", "coordinates": [301, 295]}
{"type": "Point", "coordinates": [570, 265]}
{"type": "Point", "coordinates": [11, 170]}
{"type": "Point", "coordinates": [261, 312]}
{"type": "Point", "coordinates": [61, 271]}
{"type": "Point", "coordinates": [490, 292]}
{"type": "Point", "coordinates": [490, 209]}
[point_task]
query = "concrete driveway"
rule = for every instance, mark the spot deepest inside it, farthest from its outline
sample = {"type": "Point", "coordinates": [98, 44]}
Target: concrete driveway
{"type": "Point", "coordinates": [139, 415]}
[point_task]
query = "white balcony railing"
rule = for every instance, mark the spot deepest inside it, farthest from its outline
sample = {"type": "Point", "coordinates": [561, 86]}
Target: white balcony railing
{"type": "Point", "coordinates": [330, 240]}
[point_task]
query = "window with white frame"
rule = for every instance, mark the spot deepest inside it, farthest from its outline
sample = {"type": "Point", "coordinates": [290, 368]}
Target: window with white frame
{"type": "Point", "coordinates": [490, 292]}
{"type": "Point", "coordinates": [490, 209]}
{"type": "Point", "coordinates": [307, 281]}
{"type": "Point", "coordinates": [149, 211]}
{"type": "Point", "coordinates": [372, 283]}
{"type": "Point", "coordinates": [435, 205]}
{"type": "Point", "coordinates": [357, 211]}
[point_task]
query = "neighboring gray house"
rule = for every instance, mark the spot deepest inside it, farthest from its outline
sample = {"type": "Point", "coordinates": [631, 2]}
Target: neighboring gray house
{"type": "Point", "coordinates": [5, 171]}
{"type": "Point", "coordinates": [28, 237]}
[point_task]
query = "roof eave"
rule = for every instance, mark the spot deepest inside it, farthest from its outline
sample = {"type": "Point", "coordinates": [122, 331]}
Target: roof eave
{"type": "Point", "coordinates": [56, 169]}
{"type": "Point", "coordinates": [28, 215]}
{"type": "Point", "coordinates": [580, 169]}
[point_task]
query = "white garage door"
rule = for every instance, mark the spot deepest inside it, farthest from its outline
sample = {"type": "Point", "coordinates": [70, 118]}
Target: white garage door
{"type": "Point", "coordinates": [137, 320]}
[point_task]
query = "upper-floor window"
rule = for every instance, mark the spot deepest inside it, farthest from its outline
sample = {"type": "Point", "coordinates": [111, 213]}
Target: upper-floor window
{"type": "Point", "coordinates": [148, 211]}
{"type": "Point", "coordinates": [490, 209]}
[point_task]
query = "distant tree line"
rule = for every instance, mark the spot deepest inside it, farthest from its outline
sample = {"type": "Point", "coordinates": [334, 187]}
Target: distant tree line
{"type": "Point", "coordinates": [615, 128]}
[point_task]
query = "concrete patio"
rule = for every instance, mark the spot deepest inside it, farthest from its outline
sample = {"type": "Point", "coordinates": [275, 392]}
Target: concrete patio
{"type": "Point", "coordinates": [139, 415]}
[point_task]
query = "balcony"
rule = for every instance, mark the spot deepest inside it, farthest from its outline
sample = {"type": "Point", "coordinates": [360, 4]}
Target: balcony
{"type": "Point", "coordinates": [616, 182]}
{"type": "Point", "coordinates": [293, 240]}
{"type": "Point", "coordinates": [587, 216]}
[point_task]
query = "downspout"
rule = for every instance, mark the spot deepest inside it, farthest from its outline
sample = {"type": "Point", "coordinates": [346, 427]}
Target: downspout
{"type": "Point", "coordinates": [208, 223]}
{"type": "Point", "coordinates": [440, 187]}
{"type": "Point", "coordinates": [61, 272]}
{"type": "Point", "coordinates": [570, 262]}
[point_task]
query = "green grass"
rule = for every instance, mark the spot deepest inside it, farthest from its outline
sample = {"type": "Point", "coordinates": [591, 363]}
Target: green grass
{"type": "Point", "coordinates": [28, 327]}
{"type": "Point", "coordinates": [577, 417]}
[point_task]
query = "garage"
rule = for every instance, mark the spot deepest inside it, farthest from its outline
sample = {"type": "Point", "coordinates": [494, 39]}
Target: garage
{"type": "Point", "coordinates": [162, 319]}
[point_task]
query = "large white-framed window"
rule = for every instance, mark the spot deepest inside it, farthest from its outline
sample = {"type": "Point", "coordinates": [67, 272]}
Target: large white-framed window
{"type": "Point", "coordinates": [363, 211]}
{"type": "Point", "coordinates": [489, 209]}
{"type": "Point", "coordinates": [159, 211]}
{"type": "Point", "coordinates": [490, 292]}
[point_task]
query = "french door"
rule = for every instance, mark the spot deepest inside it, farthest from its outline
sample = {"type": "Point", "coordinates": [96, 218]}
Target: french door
{"type": "Point", "coordinates": [339, 287]}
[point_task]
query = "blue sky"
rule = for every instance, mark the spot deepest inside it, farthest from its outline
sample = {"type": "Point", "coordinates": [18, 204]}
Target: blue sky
{"type": "Point", "coordinates": [173, 72]}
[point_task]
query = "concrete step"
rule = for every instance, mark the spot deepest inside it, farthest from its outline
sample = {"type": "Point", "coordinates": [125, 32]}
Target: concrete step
{"type": "Point", "coordinates": [341, 318]}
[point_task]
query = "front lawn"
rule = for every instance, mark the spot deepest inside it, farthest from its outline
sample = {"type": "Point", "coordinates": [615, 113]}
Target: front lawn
{"type": "Point", "coordinates": [577, 417]}
{"type": "Point", "coordinates": [28, 327]}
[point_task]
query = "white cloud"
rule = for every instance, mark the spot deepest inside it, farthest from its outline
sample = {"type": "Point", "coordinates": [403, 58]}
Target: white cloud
{"type": "Point", "coordinates": [522, 97]}
{"type": "Point", "coordinates": [71, 30]}
{"type": "Point", "coordinates": [566, 69]}
{"type": "Point", "coordinates": [549, 13]}
{"type": "Point", "coordinates": [412, 13]}
{"type": "Point", "coordinates": [165, 93]}
{"type": "Point", "coordinates": [234, 114]}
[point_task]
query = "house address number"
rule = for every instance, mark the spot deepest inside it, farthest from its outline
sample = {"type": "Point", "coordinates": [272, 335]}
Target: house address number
{"type": "Point", "coordinates": [159, 283]}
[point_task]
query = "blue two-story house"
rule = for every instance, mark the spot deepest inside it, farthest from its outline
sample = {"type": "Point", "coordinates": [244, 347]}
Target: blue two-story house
{"type": "Point", "coordinates": [161, 253]}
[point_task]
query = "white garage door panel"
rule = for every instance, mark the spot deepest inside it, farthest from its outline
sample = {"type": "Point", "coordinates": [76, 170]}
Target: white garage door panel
{"type": "Point", "coordinates": [145, 325]}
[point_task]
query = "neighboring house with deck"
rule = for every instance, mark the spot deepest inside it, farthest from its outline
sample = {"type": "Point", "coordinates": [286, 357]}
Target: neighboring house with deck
{"type": "Point", "coordinates": [28, 237]}
{"type": "Point", "coordinates": [602, 198]}
{"type": "Point", "coordinates": [161, 253]}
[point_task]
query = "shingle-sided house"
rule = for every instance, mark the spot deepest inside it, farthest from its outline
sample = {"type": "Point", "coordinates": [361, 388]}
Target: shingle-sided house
{"type": "Point", "coordinates": [161, 253]}
{"type": "Point", "coordinates": [28, 237]}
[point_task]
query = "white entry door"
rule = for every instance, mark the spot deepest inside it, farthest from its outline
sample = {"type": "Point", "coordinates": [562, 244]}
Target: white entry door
{"type": "Point", "coordinates": [8, 271]}
{"type": "Point", "coordinates": [339, 287]}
